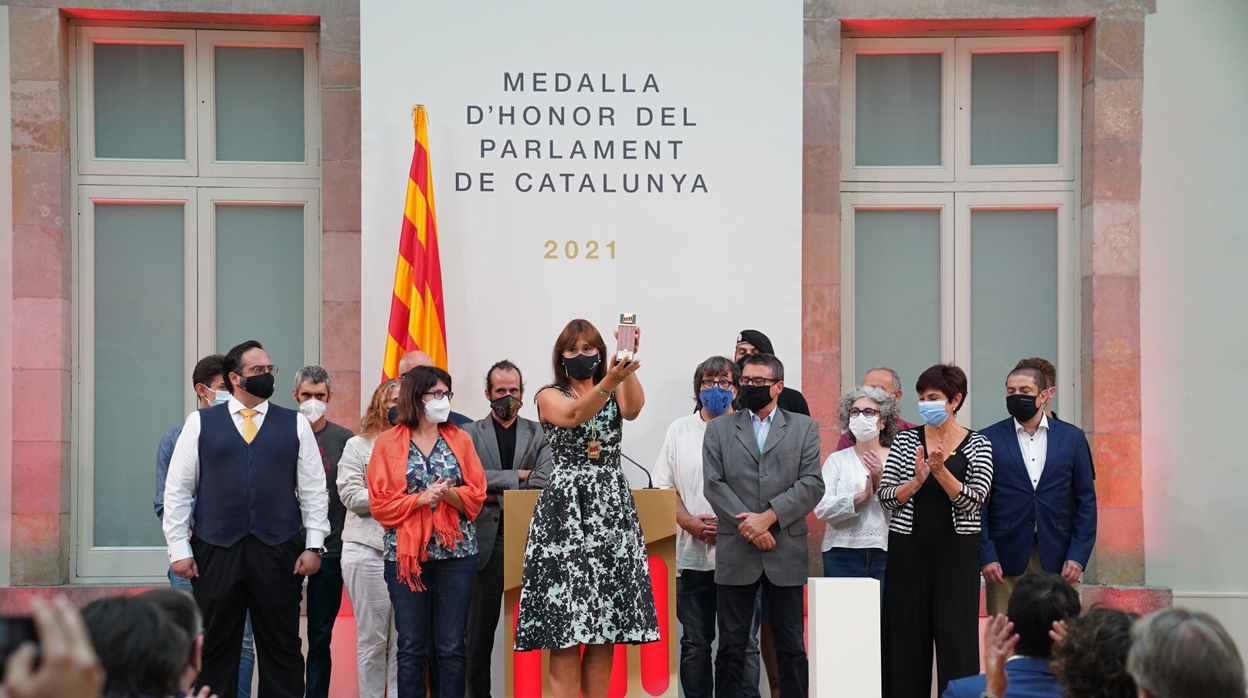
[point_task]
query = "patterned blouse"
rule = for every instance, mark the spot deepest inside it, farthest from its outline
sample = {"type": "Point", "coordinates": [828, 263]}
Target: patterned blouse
{"type": "Point", "coordinates": [422, 472]}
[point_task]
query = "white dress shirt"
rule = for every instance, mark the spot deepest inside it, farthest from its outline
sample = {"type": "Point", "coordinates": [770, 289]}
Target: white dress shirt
{"type": "Point", "coordinates": [1035, 448]}
{"type": "Point", "coordinates": [844, 478]}
{"type": "Point", "coordinates": [183, 482]}
{"type": "Point", "coordinates": [680, 467]}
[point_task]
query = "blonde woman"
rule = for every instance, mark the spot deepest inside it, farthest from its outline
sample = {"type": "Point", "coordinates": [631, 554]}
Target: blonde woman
{"type": "Point", "coordinates": [362, 550]}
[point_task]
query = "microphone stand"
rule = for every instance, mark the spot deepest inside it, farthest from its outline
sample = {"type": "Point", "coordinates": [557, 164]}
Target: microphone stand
{"type": "Point", "coordinates": [649, 480]}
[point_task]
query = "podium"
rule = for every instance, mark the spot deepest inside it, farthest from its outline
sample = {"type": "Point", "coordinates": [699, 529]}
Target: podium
{"type": "Point", "coordinates": [844, 637]}
{"type": "Point", "coordinates": [648, 670]}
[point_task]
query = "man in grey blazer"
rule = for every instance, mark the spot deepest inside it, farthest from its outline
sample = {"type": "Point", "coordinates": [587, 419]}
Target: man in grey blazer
{"type": "Point", "coordinates": [762, 479]}
{"type": "Point", "coordinates": [515, 456]}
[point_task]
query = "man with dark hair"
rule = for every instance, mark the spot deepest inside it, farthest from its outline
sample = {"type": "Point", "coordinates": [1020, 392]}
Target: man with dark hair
{"type": "Point", "coordinates": [679, 466]}
{"type": "Point", "coordinates": [1050, 374]}
{"type": "Point", "coordinates": [753, 343]}
{"type": "Point", "coordinates": [314, 388]}
{"type": "Point", "coordinates": [762, 477]}
{"type": "Point", "coordinates": [251, 472]}
{"type": "Point", "coordinates": [208, 384]}
{"type": "Point", "coordinates": [515, 456]}
{"type": "Point", "coordinates": [1040, 601]}
{"type": "Point", "coordinates": [1041, 513]}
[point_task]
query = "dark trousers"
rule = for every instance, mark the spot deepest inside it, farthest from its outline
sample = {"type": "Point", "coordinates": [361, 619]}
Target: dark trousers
{"type": "Point", "coordinates": [695, 609]}
{"type": "Point", "coordinates": [432, 624]}
{"type": "Point", "coordinates": [250, 576]}
{"type": "Point", "coordinates": [324, 600]}
{"type": "Point", "coordinates": [487, 603]}
{"type": "Point", "coordinates": [931, 595]}
{"type": "Point", "coordinates": [735, 609]}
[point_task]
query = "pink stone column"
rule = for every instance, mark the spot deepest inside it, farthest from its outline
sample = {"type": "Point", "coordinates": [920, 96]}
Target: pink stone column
{"type": "Point", "coordinates": [821, 220]}
{"type": "Point", "coordinates": [340, 202]}
{"type": "Point", "coordinates": [39, 90]}
{"type": "Point", "coordinates": [1110, 224]}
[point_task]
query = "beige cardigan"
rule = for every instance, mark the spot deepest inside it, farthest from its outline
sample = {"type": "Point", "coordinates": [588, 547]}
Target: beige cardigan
{"type": "Point", "coordinates": [359, 527]}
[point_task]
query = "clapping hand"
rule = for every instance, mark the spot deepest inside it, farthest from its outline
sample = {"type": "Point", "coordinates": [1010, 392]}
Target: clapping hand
{"type": "Point", "coordinates": [936, 460]}
{"type": "Point", "coordinates": [68, 667]}
{"type": "Point", "coordinates": [435, 492]}
{"type": "Point", "coordinates": [999, 642]}
{"type": "Point", "coordinates": [875, 468]}
{"type": "Point", "coordinates": [1058, 633]}
{"type": "Point", "coordinates": [922, 468]}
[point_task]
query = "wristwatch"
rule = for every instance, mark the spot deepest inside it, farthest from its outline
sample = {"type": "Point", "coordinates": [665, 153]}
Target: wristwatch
{"type": "Point", "coordinates": [320, 552]}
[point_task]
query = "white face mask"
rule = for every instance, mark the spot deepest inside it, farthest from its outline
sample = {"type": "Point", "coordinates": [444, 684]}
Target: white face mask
{"type": "Point", "coordinates": [864, 428]}
{"type": "Point", "coordinates": [312, 409]}
{"type": "Point", "coordinates": [221, 397]}
{"type": "Point", "coordinates": [438, 411]}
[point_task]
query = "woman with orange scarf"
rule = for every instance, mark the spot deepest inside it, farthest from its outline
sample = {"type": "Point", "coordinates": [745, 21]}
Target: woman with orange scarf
{"type": "Point", "coordinates": [425, 487]}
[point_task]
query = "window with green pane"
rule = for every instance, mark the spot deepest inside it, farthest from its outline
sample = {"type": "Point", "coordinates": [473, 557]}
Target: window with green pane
{"type": "Point", "coordinates": [139, 101]}
{"type": "Point", "coordinates": [260, 284]}
{"type": "Point", "coordinates": [141, 381]}
{"type": "Point", "coordinates": [259, 104]}
{"type": "Point", "coordinates": [1013, 300]}
{"type": "Point", "coordinates": [1014, 108]}
{"type": "Point", "coordinates": [897, 108]}
{"type": "Point", "coordinates": [897, 294]}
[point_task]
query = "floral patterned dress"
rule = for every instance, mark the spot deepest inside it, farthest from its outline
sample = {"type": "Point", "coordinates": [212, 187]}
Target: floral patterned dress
{"type": "Point", "coordinates": [586, 577]}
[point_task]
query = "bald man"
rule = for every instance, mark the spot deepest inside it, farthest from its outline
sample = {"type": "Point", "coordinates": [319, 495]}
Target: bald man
{"type": "Point", "coordinates": [411, 360]}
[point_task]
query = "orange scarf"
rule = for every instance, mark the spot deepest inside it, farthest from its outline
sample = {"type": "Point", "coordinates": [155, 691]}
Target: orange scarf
{"type": "Point", "coordinates": [393, 507]}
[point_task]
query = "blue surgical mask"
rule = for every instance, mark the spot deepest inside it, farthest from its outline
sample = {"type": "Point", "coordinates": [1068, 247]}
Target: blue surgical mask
{"type": "Point", "coordinates": [933, 412]}
{"type": "Point", "coordinates": [221, 398]}
{"type": "Point", "coordinates": [716, 400]}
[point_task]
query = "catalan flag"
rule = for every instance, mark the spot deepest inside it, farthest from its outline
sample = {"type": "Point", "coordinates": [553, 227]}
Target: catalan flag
{"type": "Point", "coordinates": [417, 318]}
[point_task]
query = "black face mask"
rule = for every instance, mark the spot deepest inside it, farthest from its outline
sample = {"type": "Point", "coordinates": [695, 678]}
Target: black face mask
{"type": "Point", "coordinates": [392, 415]}
{"type": "Point", "coordinates": [1021, 407]}
{"type": "Point", "coordinates": [261, 386]}
{"type": "Point", "coordinates": [506, 408]}
{"type": "Point", "coordinates": [581, 367]}
{"type": "Point", "coordinates": [755, 397]}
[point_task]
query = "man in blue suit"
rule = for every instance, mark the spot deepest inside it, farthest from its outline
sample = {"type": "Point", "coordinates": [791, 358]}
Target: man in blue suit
{"type": "Point", "coordinates": [1041, 513]}
{"type": "Point", "coordinates": [1039, 602]}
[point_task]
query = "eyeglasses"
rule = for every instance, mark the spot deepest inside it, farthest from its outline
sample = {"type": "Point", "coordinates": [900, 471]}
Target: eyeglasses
{"type": "Point", "coordinates": [439, 394]}
{"type": "Point", "coordinates": [723, 383]}
{"type": "Point", "coordinates": [259, 370]}
{"type": "Point", "coordinates": [759, 382]}
{"type": "Point", "coordinates": [867, 411]}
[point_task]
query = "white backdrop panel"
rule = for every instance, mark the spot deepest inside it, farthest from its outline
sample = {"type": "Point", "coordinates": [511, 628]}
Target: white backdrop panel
{"type": "Point", "coordinates": [697, 266]}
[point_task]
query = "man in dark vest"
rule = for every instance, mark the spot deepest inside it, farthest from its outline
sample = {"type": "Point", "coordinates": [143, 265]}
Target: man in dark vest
{"type": "Point", "coordinates": [251, 474]}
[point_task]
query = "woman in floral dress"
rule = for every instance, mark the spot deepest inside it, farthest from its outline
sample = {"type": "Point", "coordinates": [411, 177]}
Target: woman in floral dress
{"type": "Point", "coordinates": [586, 580]}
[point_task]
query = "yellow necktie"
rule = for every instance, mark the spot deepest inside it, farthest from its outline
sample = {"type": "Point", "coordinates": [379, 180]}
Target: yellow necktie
{"type": "Point", "coordinates": [249, 427]}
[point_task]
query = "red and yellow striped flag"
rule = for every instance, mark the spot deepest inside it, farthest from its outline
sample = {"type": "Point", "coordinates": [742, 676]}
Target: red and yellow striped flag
{"type": "Point", "coordinates": [417, 319]}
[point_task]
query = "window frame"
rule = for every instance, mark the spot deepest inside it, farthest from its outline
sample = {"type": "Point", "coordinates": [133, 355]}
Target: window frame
{"type": "Point", "coordinates": [88, 163]}
{"type": "Point", "coordinates": [851, 203]}
{"type": "Point", "coordinates": [206, 69]}
{"type": "Point", "coordinates": [850, 50]}
{"type": "Point", "coordinates": [1067, 109]}
{"type": "Point", "coordinates": [109, 563]}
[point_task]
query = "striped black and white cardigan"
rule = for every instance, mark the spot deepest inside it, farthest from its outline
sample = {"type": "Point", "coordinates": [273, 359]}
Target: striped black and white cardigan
{"type": "Point", "coordinates": [899, 469]}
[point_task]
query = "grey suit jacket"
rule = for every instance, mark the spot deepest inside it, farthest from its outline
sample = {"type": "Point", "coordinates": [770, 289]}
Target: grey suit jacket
{"type": "Point", "coordinates": [785, 477]}
{"type": "Point", "coordinates": [532, 453]}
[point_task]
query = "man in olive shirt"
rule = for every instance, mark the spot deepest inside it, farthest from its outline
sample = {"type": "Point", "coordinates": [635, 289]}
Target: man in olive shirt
{"type": "Point", "coordinates": [313, 391]}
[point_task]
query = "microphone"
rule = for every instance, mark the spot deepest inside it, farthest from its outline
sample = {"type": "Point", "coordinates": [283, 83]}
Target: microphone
{"type": "Point", "coordinates": [649, 480]}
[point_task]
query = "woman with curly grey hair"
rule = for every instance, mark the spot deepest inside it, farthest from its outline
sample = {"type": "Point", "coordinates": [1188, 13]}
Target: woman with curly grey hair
{"type": "Point", "coordinates": [855, 542]}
